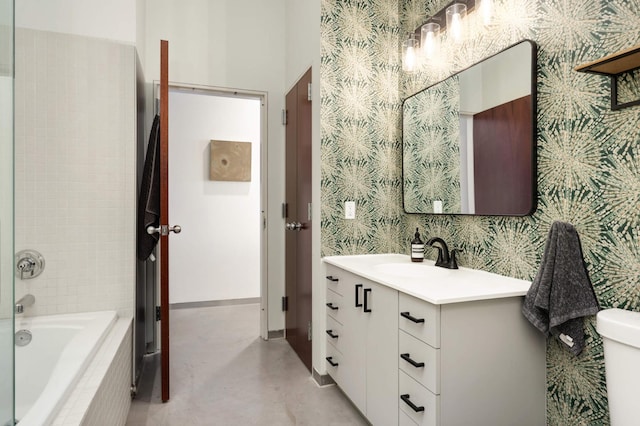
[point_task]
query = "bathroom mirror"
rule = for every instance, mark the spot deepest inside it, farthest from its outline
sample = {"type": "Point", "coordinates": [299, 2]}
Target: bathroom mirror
{"type": "Point", "coordinates": [468, 142]}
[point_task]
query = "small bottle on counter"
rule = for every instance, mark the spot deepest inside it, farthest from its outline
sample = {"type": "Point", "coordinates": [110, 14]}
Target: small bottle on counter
{"type": "Point", "coordinates": [417, 248]}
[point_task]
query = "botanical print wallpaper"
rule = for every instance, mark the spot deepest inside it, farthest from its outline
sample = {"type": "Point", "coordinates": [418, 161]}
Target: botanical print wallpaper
{"type": "Point", "coordinates": [431, 149]}
{"type": "Point", "coordinates": [588, 156]}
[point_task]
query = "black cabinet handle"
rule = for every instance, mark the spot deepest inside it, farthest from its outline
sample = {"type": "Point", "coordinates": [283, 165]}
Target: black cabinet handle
{"type": "Point", "coordinates": [366, 300]}
{"type": "Point", "coordinates": [408, 316]}
{"type": "Point", "coordinates": [413, 406]}
{"type": "Point", "coordinates": [407, 357]}
{"type": "Point", "coordinates": [358, 304]}
{"type": "Point", "coordinates": [333, 364]}
{"type": "Point", "coordinates": [330, 333]}
{"type": "Point", "coordinates": [330, 306]}
{"type": "Point", "coordinates": [332, 278]}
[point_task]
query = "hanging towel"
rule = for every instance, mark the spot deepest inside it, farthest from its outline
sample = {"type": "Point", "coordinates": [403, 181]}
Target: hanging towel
{"type": "Point", "coordinates": [149, 197]}
{"type": "Point", "coordinates": [561, 294]}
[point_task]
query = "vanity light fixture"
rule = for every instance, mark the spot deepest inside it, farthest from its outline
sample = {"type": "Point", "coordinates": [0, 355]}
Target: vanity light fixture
{"type": "Point", "coordinates": [424, 42]}
{"type": "Point", "coordinates": [455, 20]}
{"type": "Point", "coordinates": [410, 53]}
{"type": "Point", "coordinates": [430, 39]}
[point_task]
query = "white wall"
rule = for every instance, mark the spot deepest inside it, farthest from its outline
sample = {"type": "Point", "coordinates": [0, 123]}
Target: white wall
{"type": "Point", "coordinates": [235, 44]}
{"type": "Point", "coordinates": [113, 19]}
{"type": "Point", "coordinates": [302, 52]}
{"type": "Point", "coordinates": [217, 255]}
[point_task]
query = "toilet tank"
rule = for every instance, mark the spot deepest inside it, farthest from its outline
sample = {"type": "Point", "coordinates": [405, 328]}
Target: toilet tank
{"type": "Point", "coordinates": [620, 331]}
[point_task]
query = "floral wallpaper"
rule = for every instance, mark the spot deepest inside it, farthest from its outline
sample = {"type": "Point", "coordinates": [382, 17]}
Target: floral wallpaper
{"type": "Point", "coordinates": [588, 156]}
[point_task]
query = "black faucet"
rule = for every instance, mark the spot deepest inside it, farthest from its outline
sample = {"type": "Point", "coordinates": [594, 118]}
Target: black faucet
{"type": "Point", "coordinates": [445, 259]}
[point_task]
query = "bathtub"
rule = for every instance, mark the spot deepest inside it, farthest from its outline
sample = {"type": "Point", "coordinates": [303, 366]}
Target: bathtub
{"type": "Point", "coordinates": [48, 368]}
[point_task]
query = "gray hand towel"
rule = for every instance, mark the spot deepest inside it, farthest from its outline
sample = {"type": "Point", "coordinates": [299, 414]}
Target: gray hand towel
{"type": "Point", "coordinates": [561, 294]}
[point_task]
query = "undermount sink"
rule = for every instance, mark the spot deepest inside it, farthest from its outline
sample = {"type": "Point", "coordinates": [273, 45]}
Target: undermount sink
{"type": "Point", "coordinates": [411, 270]}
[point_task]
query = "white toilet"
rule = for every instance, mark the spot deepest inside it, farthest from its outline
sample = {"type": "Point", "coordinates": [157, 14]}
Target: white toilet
{"type": "Point", "coordinates": [620, 331]}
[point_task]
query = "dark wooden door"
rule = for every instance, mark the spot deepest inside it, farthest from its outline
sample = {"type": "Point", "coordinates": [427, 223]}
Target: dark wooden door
{"type": "Point", "coordinates": [164, 217]}
{"type": "Point", "coordinates": [298, 219]}
{"type": "Point", "coordinates": [503, 159]}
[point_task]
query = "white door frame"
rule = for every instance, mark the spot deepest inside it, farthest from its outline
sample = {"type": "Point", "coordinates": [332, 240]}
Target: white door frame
{"type": "Point", "coordinates": [262, 96]}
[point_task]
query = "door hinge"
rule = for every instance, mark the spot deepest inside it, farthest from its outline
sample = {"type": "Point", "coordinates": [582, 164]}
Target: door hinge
{"type": "Point", "coordinates": [284, 117]}
{"type": "Point", "coordinates": [285, 210]}
{"type": "Point", "coordinates": [309, 211]}
{"type": "Point", "coordinates": [309, 91]}
{"type": "Point", "coordinates": [158, 313]}
{"type": "Point", "coordinates": [309, 331]}
{"type": "Point", "coordinates": [285, 303]}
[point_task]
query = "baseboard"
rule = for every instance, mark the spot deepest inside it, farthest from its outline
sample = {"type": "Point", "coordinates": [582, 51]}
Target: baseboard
{"type": "Point", "coordinates": [275, 334]}
{"type": "Point", "coordinates": [322, 380]}
{"type": "Point", "coordinates": [209, 303]}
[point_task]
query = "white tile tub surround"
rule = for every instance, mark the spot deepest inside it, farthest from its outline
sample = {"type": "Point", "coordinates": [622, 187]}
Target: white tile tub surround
{"type": "Point", "coordinates": [103, 393]}
{"type": "Point", "coordinates": [75, 170]}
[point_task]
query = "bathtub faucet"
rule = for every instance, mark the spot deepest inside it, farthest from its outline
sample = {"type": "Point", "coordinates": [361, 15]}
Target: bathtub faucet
{"type": "Point", "coordinates": [24, 302]}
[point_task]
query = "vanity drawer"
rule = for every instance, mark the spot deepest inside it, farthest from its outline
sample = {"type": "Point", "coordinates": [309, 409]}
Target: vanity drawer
{"type": "Point", "coordinates": [335, 306]}
{"type": "Point", "coordinates": [333, 361]}
{"type": "Point", "coordinates": [333, 279]}
{"type": "Point", "coordinates": [334, 328]}
{"type": "Point", "coordinates": [420, 319]}
{"type": "Point", "coordinates": [427, 370]}
{"type": "Point", "coordinates": [426, 405]}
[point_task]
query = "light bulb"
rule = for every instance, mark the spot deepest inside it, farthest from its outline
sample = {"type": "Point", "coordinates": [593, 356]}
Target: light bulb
{"type": "Point", "coordinates": [430, 39]}
{"type": "Point", "coordinates": [410, 59]}
{"type": "Point", "coordinates": [456, 26]}
{"type": "Point", "coordinates": [410, 54]}
{"type": "Point", "coordinates": [455, 20]}
{"type": "Point", "coordinates": [486, 9]}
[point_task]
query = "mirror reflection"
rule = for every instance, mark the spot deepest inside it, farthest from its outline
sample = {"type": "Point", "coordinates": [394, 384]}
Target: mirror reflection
{"type": "Point", "coordinates": [469, 141]}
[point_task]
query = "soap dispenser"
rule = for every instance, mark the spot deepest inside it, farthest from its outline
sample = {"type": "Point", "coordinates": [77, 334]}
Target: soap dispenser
{"type": "Point", "coordinates": [417, 248]}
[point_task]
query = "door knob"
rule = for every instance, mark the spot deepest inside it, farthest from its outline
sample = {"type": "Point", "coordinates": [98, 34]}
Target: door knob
{"type": "Point", "coordinates": [294, 226]}
{"type": "Point", "coordinates": [164, 229]}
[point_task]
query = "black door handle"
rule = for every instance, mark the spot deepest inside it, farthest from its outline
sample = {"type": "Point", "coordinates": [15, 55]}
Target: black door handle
{"type": "Point", "coordinates": [333, 364]}
{"type": "Point", "coordinates": [408, 316]}
{"type": "Point", "coordinates": [358, 304]}
{"type": "Point", "coordinates": [330, 333]}
{"type": "Point", "coordinates": [330, 306]}
{"type": "Point", "coordinates": [407, 357]}
{"type": "Point", "coordinates": [332, 278]}
{"type": "Point", "coordinates": [413, 406]}
{"type": "Point", "coordinates": [366, 300]}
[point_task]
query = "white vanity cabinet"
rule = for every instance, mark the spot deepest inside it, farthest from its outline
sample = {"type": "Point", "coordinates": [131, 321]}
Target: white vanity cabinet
{"type": "Point", "coordinates": [366, 349]}
{"type": "Point", "coordinates": [463, 354]}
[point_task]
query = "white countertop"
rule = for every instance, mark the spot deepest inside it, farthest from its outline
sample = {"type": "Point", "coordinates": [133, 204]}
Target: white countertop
{"type": "Point", "coordinates": [430, 283]}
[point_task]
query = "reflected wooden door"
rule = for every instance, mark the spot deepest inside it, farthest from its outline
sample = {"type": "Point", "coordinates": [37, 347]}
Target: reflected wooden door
{"type": "Point", "coordinates": [298, 219]}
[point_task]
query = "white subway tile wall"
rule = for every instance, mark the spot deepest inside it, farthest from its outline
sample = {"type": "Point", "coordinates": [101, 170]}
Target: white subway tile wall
{"type": "Point", "coordinates": [75, 170]}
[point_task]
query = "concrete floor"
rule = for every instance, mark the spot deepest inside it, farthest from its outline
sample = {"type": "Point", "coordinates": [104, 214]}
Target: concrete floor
{"type": "Point", "coordinates": [223, 373]}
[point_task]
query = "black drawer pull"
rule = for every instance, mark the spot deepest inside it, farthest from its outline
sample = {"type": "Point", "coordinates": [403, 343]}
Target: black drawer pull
{"type": "Point", "coordinates": [330, 333]}
{"type": "Point", "coordinates": [332, 278]}
{"type": "Point", "coordinates": [330, 306]}
{"type": "Point", "coordinates": [358, 304]}
{"type": "Point", "coordinates": [408, 316]}
{"type": "Point", "coordinates": [407, 357]}
{"type": "Point", "coordinates": [334, 364]}
{"type": "Point", "coordinates": [366, 300]}
{"type": "Point", "coordinates": [413, 406]}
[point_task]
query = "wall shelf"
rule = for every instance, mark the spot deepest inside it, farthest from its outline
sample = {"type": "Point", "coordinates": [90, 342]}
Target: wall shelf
{"type": "Point", "coordinates": [614, 65]}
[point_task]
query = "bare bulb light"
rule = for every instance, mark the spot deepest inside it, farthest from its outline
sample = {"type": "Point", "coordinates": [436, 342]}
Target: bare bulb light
{"type": "Point", "coordinates": [486, 10]}
{"type": "Point", "coordinates": [455, 19]}
{"type": "Point", "coordinates": [410, 54]}
{"type": "Point", "coordinates": [430, 39]}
